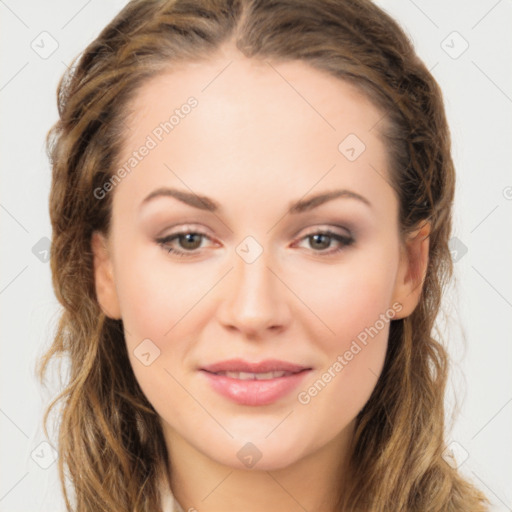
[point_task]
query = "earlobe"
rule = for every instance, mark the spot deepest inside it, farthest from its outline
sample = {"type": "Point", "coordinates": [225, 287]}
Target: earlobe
{"type": "Point", "coordinates": [412, 269]}
{"type": "Point", "coordinates": [104, 277]}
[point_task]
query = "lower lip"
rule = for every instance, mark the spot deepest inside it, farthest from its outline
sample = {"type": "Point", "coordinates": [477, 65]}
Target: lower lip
{"type": "Point", "coordinates": [254, 392]}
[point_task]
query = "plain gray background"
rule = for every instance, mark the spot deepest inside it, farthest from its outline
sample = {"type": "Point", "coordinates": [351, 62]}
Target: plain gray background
{"type": "Point", "coordinates": [467, 46]}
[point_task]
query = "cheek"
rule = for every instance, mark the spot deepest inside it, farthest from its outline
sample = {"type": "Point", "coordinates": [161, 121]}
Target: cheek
{"type": "Point", "coordinates": [353, 362]}
{"type": "Point", "coordinates": [162, 305]}
{"type": "Point", "coordinates": [355, 305]}
{"type": "Point", "coordinates": [154, 300]}
{"type": "Point", "coordinates": [350, 297]}
{"type": "Point", "coordinates": [153, 294]}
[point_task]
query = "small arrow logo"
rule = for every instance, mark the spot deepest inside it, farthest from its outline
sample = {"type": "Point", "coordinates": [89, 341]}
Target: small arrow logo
{"type": "Point", "coordinates": [44, 44]}
{"type": "Point", "coordinates": [41, 250]}
{"type": "Point", "coordinates": [249, 249]}
{"type": "Point", "coordinates": [249, 455]}
{"type": "Point", "coordinates": [454, 45]}
{"type": "Point", "coordinates": [351, 147]}
{"type": "Point", "coordinates": [44, 455]}
{"type": "Point", "coordinates": [457, 249]}
{"type": "Point", "coordinates": [146, 352]}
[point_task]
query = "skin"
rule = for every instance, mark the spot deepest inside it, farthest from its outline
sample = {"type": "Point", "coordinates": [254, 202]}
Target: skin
{"type": "Point", "coordinates": [254, 145]}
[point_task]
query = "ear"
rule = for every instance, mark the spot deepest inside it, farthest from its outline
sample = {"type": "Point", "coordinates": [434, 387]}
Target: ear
{"type": "Point", "coordinates": [106, 292]}
{"type": "Point", "coordinates": [412, 269]}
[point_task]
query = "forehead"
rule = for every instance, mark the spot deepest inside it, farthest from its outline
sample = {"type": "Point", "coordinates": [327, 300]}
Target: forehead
{"type": "Point", "coordinates": [257, 124]}
{"type": "Point", "coordinates": [234, 90]}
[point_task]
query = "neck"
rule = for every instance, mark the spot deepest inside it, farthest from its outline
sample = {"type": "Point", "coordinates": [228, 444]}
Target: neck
{"type": "Point", "coordinates": [312, 483]}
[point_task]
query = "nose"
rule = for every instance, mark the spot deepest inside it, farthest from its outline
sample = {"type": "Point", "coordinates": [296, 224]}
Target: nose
{"type": "Point", "coordinates": [255, 300]}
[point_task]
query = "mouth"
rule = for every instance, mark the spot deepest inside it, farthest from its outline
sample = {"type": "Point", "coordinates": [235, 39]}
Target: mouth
{"type": "Point", "coordinates": [263, 367]}
{"type": "Point", "coordinates": [254, 384]}
{"type": "Point", "coordinates": [254, 376]}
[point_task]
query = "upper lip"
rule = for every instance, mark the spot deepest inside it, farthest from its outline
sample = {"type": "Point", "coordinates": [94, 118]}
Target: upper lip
{"type": "Point", "coordinates": [268, 365]}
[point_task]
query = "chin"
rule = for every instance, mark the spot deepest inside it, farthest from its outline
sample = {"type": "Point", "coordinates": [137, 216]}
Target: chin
{"type": "Point", "coordinates": [259, 454]}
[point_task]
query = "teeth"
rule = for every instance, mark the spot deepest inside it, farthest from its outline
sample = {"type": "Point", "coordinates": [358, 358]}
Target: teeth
{"type": "Point", "coordinates": [254, 376]}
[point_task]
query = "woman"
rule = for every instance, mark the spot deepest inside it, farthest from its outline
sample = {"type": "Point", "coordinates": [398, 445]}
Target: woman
{"type": "Point", "coordinates": [251, 208]}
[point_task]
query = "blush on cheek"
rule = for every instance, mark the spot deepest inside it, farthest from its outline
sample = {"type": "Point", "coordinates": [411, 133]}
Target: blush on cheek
{"type": "Point", "coordinates": [358, 350]}
{"type": "Point", "coordinates": [363, 362]}
{"type": "Point", "coordinates": [150, 307]}
{"type": "Point", "coordinates": [353, 315]}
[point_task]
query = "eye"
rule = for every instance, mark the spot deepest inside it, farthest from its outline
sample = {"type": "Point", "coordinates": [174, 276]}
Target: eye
{"type": "Point", "coordinates": [320, 240]}
{"type": "Point", "coordinates": [189, 241]}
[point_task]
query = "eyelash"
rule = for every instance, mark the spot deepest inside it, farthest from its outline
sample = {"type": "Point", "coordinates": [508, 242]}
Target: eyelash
{"type": "Point", "coordinates": [345, 241]}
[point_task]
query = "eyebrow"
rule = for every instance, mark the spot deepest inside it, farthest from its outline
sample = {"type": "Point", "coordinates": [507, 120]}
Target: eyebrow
{"type": "Point", "coordinates": [295, 207]}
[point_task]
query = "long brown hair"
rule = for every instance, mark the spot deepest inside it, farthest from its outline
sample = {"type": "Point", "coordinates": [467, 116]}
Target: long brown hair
{"type": "Point", "coordinates": [110, 439]}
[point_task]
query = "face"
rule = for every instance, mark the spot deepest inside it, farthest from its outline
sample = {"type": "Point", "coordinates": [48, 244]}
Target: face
{"type": "Point", "coordinates": [254, 257]}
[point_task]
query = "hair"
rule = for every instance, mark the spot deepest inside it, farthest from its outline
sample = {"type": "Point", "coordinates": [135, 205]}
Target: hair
{"type": "Point", "coordinates": [110, 438]}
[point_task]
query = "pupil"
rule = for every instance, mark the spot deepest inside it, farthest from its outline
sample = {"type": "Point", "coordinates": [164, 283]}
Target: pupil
{"type": "Point", "coordinates": [189, 242]}
{"type": "Point", "coordinates": [326, 240]}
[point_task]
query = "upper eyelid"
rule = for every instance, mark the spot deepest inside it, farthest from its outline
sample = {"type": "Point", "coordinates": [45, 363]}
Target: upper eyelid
{"type": "Point", "coordinates": [325, 227]}
{"type": "Point", "coordinates": [184, 229]}
{"type": "Point", "coordinates": [203, 231]}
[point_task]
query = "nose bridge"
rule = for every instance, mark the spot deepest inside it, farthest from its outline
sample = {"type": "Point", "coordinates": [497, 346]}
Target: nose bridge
{"type": "Point", "coordinates": [253, 277]}
{"type": "Point", "coordinates": [254, 299]}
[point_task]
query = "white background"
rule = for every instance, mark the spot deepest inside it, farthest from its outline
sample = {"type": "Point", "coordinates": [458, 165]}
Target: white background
{"type": "Point", "coordinates": [477, 88]}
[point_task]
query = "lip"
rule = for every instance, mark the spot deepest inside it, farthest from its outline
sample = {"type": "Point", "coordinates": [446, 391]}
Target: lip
{"type": "Point", "coordinates": [254, 392]}
{"type": "Point", "coordinates": [240, 365]}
